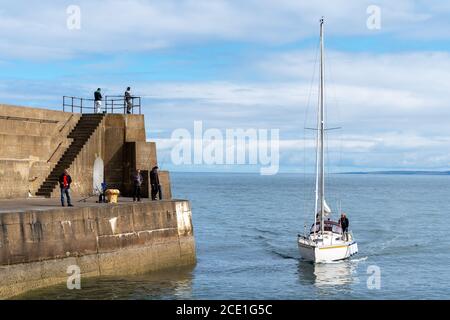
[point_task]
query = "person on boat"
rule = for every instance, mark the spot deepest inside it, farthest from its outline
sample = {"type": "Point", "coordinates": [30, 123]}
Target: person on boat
{"type": "Point", "coordinates": [343, 221]}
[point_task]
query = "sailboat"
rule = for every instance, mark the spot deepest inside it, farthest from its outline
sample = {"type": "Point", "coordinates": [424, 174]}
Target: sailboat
{"type": "Point", "coordinates": [326, 241]}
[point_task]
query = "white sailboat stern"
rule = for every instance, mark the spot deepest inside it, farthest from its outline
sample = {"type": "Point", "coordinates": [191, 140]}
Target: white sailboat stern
{"type": "Point", "coordinates": [331, 247]}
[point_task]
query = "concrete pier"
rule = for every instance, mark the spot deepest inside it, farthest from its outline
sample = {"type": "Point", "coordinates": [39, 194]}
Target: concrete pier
{"type": "Point", "coordinates": [40, 240]}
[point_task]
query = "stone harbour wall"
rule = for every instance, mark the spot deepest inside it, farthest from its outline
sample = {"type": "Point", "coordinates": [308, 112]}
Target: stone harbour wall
{"type": "Point", "coordinates": [37, 247]}
{"type": "Point", "coordinates": [33, 140]}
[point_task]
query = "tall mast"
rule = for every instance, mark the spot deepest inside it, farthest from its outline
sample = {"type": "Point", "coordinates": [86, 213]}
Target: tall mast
{"type": "Point", "coordinates": [321, 131]}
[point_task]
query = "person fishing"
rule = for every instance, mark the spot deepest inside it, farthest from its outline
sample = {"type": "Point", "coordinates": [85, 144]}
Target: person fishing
{"type": "Point", "coordinates": [344, 223]}
{"type": "Point", "coordinates": [102, 193]}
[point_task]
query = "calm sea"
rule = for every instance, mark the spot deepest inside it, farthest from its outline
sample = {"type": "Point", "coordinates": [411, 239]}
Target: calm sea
{"type": "Point", "coordinates": [246, 227]}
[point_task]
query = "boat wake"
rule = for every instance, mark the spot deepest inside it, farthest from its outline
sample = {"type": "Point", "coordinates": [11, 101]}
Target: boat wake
{"type": "Point", "coordinates": [359, 259]}
{"type": "Point", "coordinates": [395, 246]}
{"type": "Point", "coordinates": [285, 255]}
{"type": "Point", "coordinates": [265, 231]}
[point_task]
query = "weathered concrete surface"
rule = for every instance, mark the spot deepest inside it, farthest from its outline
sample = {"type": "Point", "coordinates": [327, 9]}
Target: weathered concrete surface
{"type": "Point", "coordinates": [39, 241]}
{"type": "Point", "coordinates": [164, 179]}
{"type": "Point", "coordinates": [33, 140]}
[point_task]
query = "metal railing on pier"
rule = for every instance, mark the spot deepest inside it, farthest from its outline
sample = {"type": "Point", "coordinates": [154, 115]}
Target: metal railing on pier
{"type": "Point", "coordinates": [110, 104]}
{"type": "Point", "coordinates": [119, 104]}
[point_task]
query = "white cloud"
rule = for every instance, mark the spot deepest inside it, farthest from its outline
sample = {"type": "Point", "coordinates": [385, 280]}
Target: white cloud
{"type": "Point", "coordinates": [380, 151]}
{"type": "Point", "coordinates": [393, 106]}
{"type": "Point", "coordinates": [402, 88]}
{"type": "Point", "coordinates": [38, 29]}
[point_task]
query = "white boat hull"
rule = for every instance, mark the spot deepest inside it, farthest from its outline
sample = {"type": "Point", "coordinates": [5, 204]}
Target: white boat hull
{"type": "Point", "coordinates": [326, 252]}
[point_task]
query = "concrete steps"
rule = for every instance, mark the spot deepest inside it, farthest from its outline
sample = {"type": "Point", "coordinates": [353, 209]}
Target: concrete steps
{"type": "Point", "coordinates": [80, 134]}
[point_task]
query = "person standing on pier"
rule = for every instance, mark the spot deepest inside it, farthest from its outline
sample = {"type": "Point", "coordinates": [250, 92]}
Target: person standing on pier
{"type": "Point", "coordinates": [137, 183]}
{"type": "Point", "coordinates": [64, 184]}
{"type": "Point", "coordinates": [98, 101]}
{"type": "Point", "coordinates": [128, 100]}
{"type": "Point", "coordinates": [154, 181]}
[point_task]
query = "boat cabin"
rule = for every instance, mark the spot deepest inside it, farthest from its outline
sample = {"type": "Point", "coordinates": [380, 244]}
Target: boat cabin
{"type": "Point", "coordinates": [329, 225]}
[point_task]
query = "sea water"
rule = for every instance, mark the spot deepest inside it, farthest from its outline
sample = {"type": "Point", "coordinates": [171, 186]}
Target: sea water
{"type": "Point", "coordinates": [246, 228]}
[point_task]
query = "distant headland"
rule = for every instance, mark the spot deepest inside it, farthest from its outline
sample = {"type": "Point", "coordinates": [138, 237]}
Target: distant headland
{"type": "Point", "coordinates": [402, 172]}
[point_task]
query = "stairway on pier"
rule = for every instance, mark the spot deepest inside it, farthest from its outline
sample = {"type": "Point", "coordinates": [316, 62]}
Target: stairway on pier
{"type": "Point", "coordinates": [80, 134]}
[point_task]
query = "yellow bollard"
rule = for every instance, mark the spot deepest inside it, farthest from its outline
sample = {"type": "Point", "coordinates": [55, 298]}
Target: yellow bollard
{"type": "Point", "coordinates": [111, 195]}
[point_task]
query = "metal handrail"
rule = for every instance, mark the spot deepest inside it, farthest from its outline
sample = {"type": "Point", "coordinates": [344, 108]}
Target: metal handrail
{"type": "Point", "coordinates": [113, 104]}
{"type": "Point", "coordinates": [64, 125]}
{"type": "Point", "coordinates": [28, 119]}
{"type": "Point", "coordinates": [54, 152]}
{"type": "Point", "coordinates": [74, 103]}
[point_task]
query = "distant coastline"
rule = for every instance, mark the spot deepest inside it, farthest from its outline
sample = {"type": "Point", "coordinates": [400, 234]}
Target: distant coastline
{"type": "Point", "coordinates": [401, 172]}
{"type": "Point", "coordinates": [385, 172]}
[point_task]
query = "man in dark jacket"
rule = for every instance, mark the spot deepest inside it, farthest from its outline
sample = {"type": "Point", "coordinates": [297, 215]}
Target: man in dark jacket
{"type": "Point", "coordinates": [343, 221]}
{"type": "Point", "coordinates": [137, 183]}
{"type": "Point", "coordinates": [128, 100]}
{"type": "Point", "coordinates": [64, 184]}
{"type": "Point", "coordinates": [154, 181]}
{"type": "Point", "coordinates": [98, 101]}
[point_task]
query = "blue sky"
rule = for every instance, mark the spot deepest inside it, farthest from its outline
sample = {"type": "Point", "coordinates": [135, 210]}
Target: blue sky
{"type": "Point", "coordinates": [248, 64]}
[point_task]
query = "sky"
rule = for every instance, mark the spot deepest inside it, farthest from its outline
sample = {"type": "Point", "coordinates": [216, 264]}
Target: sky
{"type": "Point", "coordinates": [249, 64]}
